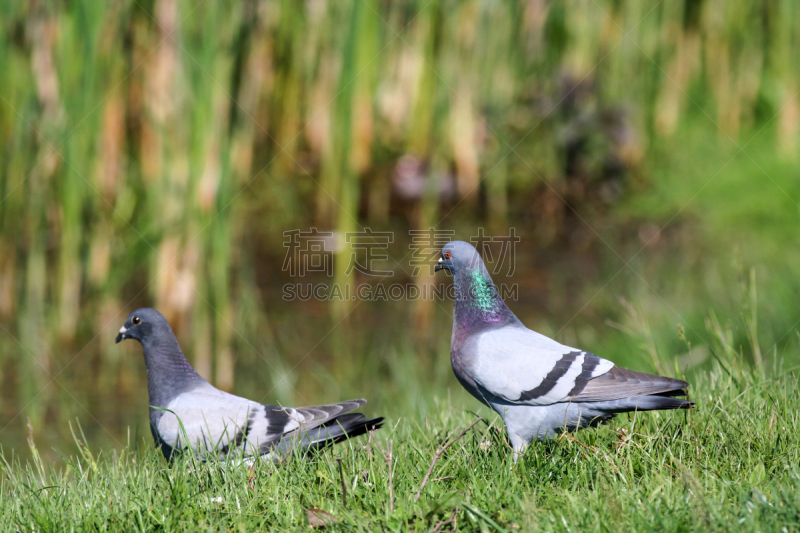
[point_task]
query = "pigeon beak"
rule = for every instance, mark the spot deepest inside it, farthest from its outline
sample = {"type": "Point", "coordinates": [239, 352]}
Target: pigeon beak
{"type": "Point", "coordinates": [439, 265]}
{"type": "Point", "coordinates": [121, 335]}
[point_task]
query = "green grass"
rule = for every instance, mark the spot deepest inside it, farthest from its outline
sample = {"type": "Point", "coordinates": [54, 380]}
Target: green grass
{"type": "Point", "coordinates": [733, 461]}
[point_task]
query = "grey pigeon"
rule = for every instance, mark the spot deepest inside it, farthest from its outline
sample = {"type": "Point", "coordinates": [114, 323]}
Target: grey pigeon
{"type": "Point", "coordinates": [539, 386]}
{"type": "Point", "coordinates": [217, 423]}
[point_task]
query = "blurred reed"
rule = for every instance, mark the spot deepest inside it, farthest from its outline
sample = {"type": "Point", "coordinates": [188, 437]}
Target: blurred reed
{"type": "Point", "coordinates": [155, 150]}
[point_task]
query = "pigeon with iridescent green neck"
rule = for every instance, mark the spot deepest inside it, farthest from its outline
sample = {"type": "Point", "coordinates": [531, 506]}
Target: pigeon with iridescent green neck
{"type": "Point", "coordinates": [537, 385]}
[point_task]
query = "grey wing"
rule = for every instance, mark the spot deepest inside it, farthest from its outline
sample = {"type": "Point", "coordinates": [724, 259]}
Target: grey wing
{"type": "Point", "coordinates": [295, 423]}
{"type": "Point", "coordinates": [316, 415]}
{"type": "Point", "coordinates": [520, 366]}
{"type": "Point", "coordinates": [621, 383]}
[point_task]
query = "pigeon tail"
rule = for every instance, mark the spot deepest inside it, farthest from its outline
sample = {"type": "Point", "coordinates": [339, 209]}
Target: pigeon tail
{"type": "Point", "coordinates": [620, 383]}
{"type": "Point", "coordinates": [335, 430]}
{"type": "Point", "coordinates": [651, 402]}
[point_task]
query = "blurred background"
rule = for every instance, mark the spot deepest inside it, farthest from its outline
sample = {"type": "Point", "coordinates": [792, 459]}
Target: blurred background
{"type": "Point", "coordinates": [157, 152]}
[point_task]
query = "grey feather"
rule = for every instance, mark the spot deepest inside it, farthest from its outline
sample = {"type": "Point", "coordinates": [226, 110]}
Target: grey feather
{"type": "Point", "coordinates": [622, 383]}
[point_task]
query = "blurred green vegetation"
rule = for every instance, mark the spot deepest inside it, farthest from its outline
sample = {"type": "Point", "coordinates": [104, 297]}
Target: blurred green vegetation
{"type": "Point", "coordinates": [154, 152]}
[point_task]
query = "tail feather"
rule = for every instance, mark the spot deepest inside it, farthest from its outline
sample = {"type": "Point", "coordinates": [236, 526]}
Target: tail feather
{"type": "Point", "coordinates": [650, 402]}
{"type": "Point", "coordinates": [592, 414]}
{"type": "Point", "coordinates": [620, 383]}
{"type": "Point", "coordinates": [332, 431]}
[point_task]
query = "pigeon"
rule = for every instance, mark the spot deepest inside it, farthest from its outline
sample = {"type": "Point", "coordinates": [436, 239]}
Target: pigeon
{"type": "Point", "coordinates": [537, 385]}
{"type": "Point", "coordinates": [186, 411]}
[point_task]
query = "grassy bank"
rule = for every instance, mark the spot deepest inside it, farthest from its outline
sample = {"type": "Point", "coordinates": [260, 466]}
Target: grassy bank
{"type": "Point", "coordinates": [733, 461]}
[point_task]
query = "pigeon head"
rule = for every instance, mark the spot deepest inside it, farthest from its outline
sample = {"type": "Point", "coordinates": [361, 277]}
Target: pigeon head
{"type": "Point", "coordinates": [460, 257]}
{"type": "Point", "coordinates": [168, 371]}
{"type": "Point", "coordinates": [144, 324]}
{"type": "Point", "coordinates": [473, 282]}
{"type": "Point", "coordinates": [477, 301]}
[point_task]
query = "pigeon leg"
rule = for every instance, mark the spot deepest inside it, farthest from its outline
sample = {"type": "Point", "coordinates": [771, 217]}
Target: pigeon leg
{"type": "Point", "coordinates": [517, 443]}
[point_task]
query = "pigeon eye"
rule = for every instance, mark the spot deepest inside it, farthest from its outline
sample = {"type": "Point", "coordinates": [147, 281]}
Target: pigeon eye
{"type": "Point", "coordinates": [447, 255]}
{"type": "Point", "coordinates": [136, 320]}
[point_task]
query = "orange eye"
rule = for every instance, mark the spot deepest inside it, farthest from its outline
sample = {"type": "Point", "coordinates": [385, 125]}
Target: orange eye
{"type": "Point", "coordinates": [136, 320]}
{"type": "Point", "coordinates": [447, 255]}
